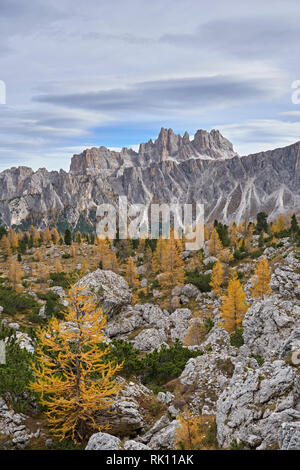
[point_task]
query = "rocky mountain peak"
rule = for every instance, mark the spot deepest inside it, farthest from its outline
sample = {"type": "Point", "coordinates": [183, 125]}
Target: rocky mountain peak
{"type": "Point", "coordinates": [167, 146]}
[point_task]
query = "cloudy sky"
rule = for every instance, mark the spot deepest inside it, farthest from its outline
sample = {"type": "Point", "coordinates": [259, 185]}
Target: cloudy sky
{"type": "Point", "coordinates": [90, 73]}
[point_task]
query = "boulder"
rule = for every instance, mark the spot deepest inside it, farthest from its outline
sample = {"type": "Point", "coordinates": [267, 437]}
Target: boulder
{"type": "Point", "coordinates": [150, 339]}
{"type": "Point", "coordinates": [126, 417]}
{"type": "Point", "coordinates": [110, 288]}
{"type": "Point", "coordinates": [134, 445]}
{"type": "Point", "coordinates": [189, 290]}
{"type": "Point", "coordinates": [103, 441]}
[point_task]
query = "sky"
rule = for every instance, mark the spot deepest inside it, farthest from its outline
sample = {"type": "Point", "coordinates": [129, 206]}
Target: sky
{"type": "Point", "coordinates": [83, 74]}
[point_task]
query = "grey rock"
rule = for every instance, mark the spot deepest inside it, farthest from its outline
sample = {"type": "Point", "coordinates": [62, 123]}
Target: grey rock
{"type": "Point", "coordinates": [290, 436]}
{"type": "Point", "coordinates": [103, 441]}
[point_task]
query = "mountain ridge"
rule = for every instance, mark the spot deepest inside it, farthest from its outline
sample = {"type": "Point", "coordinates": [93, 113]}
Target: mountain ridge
{"type": "Point", "coordinates": [166, 170]}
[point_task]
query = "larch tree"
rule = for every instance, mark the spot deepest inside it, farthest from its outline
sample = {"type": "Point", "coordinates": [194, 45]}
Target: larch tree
{"type": "Point", "coordinates": [73, 376]}
{"type": "Point", "coordinates": [261, 279]}
{"type": "Point", "coordinates": [47, 237]}
{"type": "Point", "coordinates": [55, 236]}
{"type": "Point", "coordinates": [15, 273]}
{"type": "Point", "coordinates": [58, 266]}
{"type": "Point", "coordinates": [187, 435]}
{"type": "Point", "coordinates": [5, 247]}
{"type": "Point", "coordinates": [214, 244]}
{"type": "Point", "coordinates": [233, 306]}
{"type": "Point", "coordinates": [217, 278]}
{"type": "Point", "coordinates": [78, 237]}
{"type": "Point", "coordinates": [280, 224]}
{"type": "Point", "coordinates": [158, 255]}
{"type": "Point", "coordinates": [148, 265]}
{"type": "Point", "coordinates": [13, 239]}
{"type": "Point", "coordinates": [172, 267]}
{"type": "Point", "coordinates": [131, 274]}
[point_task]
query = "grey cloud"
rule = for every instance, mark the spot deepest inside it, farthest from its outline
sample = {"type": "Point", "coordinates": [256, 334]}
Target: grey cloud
{"type": "Point", "coordinates": [166, 95]}
{"type": "Point", "coordinates": [250, 37]}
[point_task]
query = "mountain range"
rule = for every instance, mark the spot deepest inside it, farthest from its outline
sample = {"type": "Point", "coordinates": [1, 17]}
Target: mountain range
{"type": "Point", "coordinates": [173, 168]}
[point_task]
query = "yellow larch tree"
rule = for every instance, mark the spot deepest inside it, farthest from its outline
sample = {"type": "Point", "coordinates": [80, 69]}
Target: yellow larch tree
{"type": "Point", "coordinates": [5, 247]}
{"type": "Point", "coordinates": [131, 274]}
{"type": "Point", "coordinates": [280, 224]}
{"type": "Point", "coordinates": [58, 266]}
{"type": "Point", "coordinates": [261, 279]}
{"type": "Point", "coordinates": [55, 236]}
{"type": "Point", "coordinates": [13, 239]}
{"type": "Point", "coordinates": [214, 244]}
{"type": "Point", "coordinates": [233, 306]}
{"type": "Point", "coordinates": [217, 278]}
{"type": "Point", "coordinates": [187, 435]}
{"type": "Point", "coordinates": [72, 374]}
{"type": "Point", "coordinates": [148, 265]}
{"type": "Point", "coordinates": [47, 236]}
{"type": "Point", "coordinates": [158, 255]}
{"type": "Point", "coordinates": [15, 273]}
{"type": "Point", "coordinates": [196, 262]}
{"type": "Point", "coordinates": [172, 267]}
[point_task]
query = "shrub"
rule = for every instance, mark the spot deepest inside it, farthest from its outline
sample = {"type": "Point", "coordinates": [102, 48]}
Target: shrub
{"type": "Point", "coordinates": [236, 339]}
{"type": "Point", "coordinates": [123, 351]}
{"type": "Point", "coordinates": [235, 445]}
{"type": "Point", "coordinates": [156, 368]}
{"type": "Point", "coordinates": [159, 367]}
{"type": "Point", "coordinates": [64, 280]}
{"type": "Point", "coordinates": [13, 302]}
{"type": "Point", "coordinates": [16, 374]}
{"type": "Point", "coordinates": [52, 306]}
{"type": "Point", "coordinates": [208, 323]}
{"type": "Point", "coordinates": [202, 281]}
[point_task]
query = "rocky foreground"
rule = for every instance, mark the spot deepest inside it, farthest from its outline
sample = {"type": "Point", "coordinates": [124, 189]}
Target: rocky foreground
{"type": "Point", "coordinates": [252, 391]}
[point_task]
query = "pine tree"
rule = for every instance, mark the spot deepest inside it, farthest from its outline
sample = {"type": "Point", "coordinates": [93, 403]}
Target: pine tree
{"type": "Point", "coordinates": [217, 277]}
{"type": "Point", "coordinates": [73, 376]}
{"type": "Point", "coordinates": [214, 244]}
{"type": "Point", "coordinates": [172, 268]}
{"type": "Point", "coordinates": [68, 237]}
{"type": "Point", "coordinates": [261, 279]}
{"type": "Point", "coordinates": [294, 224]}
{"type": "Point", "coordinates": [233, 306]}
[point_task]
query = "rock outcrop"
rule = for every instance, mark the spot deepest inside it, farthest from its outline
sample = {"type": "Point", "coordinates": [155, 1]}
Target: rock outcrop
{"type": "Point", "coordinates": [109, 288]}
{"type": "Point", "coordinates": [255, 404]}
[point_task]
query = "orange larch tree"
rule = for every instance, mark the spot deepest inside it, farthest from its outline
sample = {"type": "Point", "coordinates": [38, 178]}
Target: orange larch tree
{"type": "Point", "coordinates": [72, 375]}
